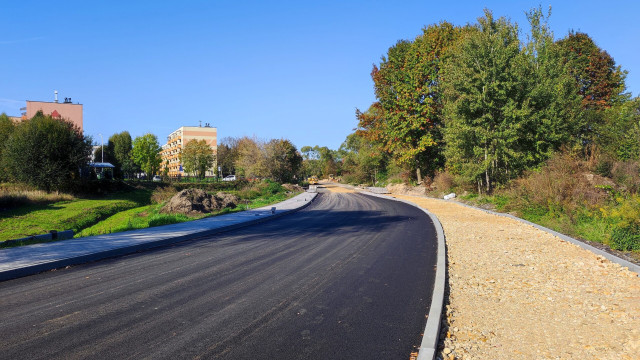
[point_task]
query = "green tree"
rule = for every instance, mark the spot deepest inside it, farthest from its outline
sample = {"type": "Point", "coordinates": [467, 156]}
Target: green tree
{"type": "Point", "coordinates": [283, 161]}
{"type": "Point", "coordinates": [197, 157]}
{"type": "Point", "coordinates": [486, 102]}
{"type": "Point", "coordinates": [620, 130]}
{"type": "Point", "coordinates": [554, 117]}
{"type": "Point", "coordinates": [409, 99]}
{"type": "Point", "coordinates": [6, 129]}
{"type": "Point", "coordinates": [146, 153]}
{"type": "Point", "coordinates": [227, 155]}
{"type": "Point", "coordinates": [362, 160]}
{"type": "Point", "coordinates": [46, 153]}
{"type": "Point", "coordinates": [120, 146]}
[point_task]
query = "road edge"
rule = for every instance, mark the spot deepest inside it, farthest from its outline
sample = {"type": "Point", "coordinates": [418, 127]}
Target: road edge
{"type": "Point", "coordinates": [431, 334]}
{"type": "Point", "coordinates": [127, 250]}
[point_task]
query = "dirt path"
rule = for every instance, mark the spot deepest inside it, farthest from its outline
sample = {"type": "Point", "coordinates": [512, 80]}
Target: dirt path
{"type": "Point", "coordinates": [516, 292]}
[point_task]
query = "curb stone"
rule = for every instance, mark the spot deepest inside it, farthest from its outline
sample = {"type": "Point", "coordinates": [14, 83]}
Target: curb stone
{"type": "Point", "coordinates": [34, 268]}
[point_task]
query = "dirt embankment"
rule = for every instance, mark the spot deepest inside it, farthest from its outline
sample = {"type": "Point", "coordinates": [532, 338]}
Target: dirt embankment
{"type": "Point", "coordinates": [516, 292]}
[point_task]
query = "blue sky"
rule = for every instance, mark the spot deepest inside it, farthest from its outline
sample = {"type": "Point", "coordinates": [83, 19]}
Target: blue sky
{"type": "Point", "coordinates": [270, 69]}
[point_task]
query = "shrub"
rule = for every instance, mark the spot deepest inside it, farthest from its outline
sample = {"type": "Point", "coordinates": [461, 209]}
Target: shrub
{"type": "Point", "coordinates": [627, 175]}
{"type": "Point", "coordinates": [443, 181]}
{"type": "Point", "coordinates": [625, 238]}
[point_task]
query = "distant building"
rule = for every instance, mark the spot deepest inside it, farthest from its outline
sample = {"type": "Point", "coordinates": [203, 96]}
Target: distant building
{"type": "Point", "coordinates": [65, 110]}
{"type": "Point", "coordinates": [179, 138]}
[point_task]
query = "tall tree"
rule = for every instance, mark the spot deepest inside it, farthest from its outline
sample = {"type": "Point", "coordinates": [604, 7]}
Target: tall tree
{"type": "Point", "coordinates": [599, 81]}
{"type": "Point", "coordinates": [407, 88]}
{"type": "Point", "coordinates": [250, 162]}
{"type": "Point", "coordinates": [46, 153]}
{"type": "Point", "coordinates": [283, 161]}
{"type": "Point", "coordinates": [6, 129]}
{"type": "Point", "coordinates": [486, 102]}
{"type": "Point", "coordinates": [197, 157]}
{"type": "Point", "coordinates": [146, 153]}
{"type": "Point", "coordinates": [555, 116]}
{"type": "Point", "coordinates": [227, 155]}
{"type": "Point", "coordinates": [120, 146]}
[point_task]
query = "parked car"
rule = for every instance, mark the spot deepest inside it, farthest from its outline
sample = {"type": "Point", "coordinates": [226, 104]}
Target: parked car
{"type": "Point", "coordinates": [229, 178]}
{"type": "Point", "coordinates": [157, 178]}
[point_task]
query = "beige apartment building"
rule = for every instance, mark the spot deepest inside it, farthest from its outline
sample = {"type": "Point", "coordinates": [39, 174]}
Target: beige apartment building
{"type": "Point", "coordinates": [179, 138]}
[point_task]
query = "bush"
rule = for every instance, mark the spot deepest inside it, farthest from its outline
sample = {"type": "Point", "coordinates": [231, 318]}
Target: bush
{"type": "Point", "coordinates": [625, 238]}
{"type": "Point", "coordinates": [443, 181]}
{"type": "Point", "coordinates": [627, 175]}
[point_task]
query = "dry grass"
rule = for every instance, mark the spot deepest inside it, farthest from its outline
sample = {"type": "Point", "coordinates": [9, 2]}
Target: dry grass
{"type": "Point", "coordinates": [13, 197]}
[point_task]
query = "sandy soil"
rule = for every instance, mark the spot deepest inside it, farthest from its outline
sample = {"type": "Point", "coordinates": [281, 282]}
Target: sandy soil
{"type": "Point", "coordinates": [516, 292]}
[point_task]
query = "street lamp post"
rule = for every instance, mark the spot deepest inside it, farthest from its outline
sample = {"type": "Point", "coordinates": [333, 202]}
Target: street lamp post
{"type": "Point", "coordinates": [102, 147]}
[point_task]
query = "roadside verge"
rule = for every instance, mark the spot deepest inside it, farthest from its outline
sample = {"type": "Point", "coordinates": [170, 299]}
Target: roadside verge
{"type": "Point", "coordinates": [31, 259]}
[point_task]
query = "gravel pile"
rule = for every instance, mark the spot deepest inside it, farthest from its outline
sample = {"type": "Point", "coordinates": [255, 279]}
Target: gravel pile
{"type": "Point", "coordinates": [516, 292]}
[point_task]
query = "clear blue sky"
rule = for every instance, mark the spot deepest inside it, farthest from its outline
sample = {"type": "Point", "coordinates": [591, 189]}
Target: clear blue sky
{"type": "Point", "coordinates": [291, 69]}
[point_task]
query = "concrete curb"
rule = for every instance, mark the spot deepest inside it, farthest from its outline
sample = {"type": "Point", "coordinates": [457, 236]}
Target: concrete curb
{"type": "Point", "coordinates": [431, 334]}
{"type": "Point", "coordinates": [126, 250]}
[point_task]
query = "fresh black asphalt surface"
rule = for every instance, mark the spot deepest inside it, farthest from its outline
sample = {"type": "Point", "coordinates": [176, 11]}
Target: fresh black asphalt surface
{"type": "Point", "coordinates": [349, 277]}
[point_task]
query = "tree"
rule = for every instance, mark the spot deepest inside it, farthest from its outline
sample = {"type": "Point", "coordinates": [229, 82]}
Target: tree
{"type": "Point", "coordinates": [486, 102]}
{"type": "Point", "coordinates": [120, 147]}
{"type": "Point", "coordinates": [6, 129]}
{"type": "Point", "coordinates": [598, 80]}
{"type": "Point", "coordinates": [250, 162]}
{"type": "Point", "coordinates": [46, 153]}
{"type": "Point", "coordinates": [283, 161]}
{"type": "Point", "coordinates": [227, 155]}
{"type": "Point", "coordinates": [409, 105]}
{"type": "Point", "coordinates": [362, 160]}
{"type": "Point", "coordinates": [197, 157]}
{"type": "Point", "coordinates": [146, 153]}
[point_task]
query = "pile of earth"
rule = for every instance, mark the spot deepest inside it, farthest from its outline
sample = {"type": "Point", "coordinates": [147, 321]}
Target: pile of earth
{"type": "Point", "coordinates": [197, 201]}
{"type": "Point", "coordinates": [402, 189]}
{"type": "Point", "coordinates": [293, 187]}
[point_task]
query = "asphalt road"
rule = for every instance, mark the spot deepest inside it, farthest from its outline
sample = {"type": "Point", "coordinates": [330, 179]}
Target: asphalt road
{"type": "Point", "coordinates": [349, 277]}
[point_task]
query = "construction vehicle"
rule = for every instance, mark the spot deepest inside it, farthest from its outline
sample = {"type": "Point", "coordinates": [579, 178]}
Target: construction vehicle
{"type": "Point", "coordinates": [313, 180]}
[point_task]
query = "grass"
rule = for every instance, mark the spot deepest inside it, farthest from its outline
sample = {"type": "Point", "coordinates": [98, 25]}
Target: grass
{"type": "Point", "coordinates": [136, 209]}
{"type": "Point", "coordinates": [76, 214]}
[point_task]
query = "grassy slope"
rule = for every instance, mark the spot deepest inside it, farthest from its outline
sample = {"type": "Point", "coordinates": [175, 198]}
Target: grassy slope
{"type": "Point", "coordinates": [64, 215]}
{"type": "Point", "coordinates": [149, 216]}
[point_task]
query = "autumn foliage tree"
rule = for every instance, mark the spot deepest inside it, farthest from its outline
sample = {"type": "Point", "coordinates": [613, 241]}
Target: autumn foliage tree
{"type": "Point", "coordinates": [197, 157]}
{"type": "Point", "coordinates": [408, 117]}
{"type": "Point", "coordinates": [598, 80]}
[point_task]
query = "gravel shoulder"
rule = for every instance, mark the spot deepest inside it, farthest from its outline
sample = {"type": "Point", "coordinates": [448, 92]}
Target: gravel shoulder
{"type": "Point", "coordinates": [517, 292]}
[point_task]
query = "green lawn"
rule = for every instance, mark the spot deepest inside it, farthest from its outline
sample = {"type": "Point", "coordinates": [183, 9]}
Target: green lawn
{"type": "Point", "coordinates": [115, 213]}
{"type": "Point", "coordinates": [73, 215]}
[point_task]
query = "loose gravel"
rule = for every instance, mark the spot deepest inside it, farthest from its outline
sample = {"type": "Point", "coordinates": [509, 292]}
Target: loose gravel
{"type": "Point", "coordinates": [517, 292]}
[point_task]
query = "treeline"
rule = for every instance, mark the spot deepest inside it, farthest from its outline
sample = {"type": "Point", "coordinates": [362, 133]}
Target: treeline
{"type": "Point", "coordinates": [484, 106]}
{"type": "Point", "coordinates": [277, 159]}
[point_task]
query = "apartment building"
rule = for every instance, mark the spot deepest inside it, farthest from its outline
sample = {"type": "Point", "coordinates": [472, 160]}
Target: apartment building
{"type": "Point", "coordinates": [58, 110]}
{"type": "Point", "coordinates": [179, 138]}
